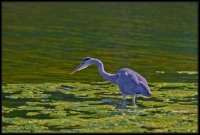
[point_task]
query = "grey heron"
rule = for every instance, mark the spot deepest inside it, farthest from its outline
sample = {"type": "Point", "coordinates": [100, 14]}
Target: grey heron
{"type": "Point", "coordinates": [129, 82]}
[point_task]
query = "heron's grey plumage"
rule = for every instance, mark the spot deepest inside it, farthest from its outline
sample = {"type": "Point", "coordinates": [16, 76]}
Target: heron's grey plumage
{"type": "Point", "coordinates": [128, 81]}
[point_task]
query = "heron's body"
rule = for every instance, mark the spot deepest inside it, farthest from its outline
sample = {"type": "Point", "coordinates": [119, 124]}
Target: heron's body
{"type": "Point", "coordinates": [129, 82]}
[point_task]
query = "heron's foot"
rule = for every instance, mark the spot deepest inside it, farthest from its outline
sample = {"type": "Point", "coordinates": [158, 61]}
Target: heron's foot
{"type": "Point", "coordinates": [122, 105]}
{"type": "Point", "coordinates": [122, 102]}
{"type": "Point", "coordinates": [134, 105]}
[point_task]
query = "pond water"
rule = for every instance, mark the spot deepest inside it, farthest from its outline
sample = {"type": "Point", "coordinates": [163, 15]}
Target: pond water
{"type": "Point", "coordinates": [44, 42]}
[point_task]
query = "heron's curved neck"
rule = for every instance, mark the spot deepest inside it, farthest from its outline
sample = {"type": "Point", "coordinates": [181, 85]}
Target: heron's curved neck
{"type": "Point", "coordinates": [102, 72]}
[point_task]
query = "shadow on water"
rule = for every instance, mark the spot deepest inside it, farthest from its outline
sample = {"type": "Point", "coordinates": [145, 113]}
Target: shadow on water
{"type": "Point", "coordinates": [105, 84]}
{"type": "Point", "coordinates": [59, 96]}
{"type": "Point", "coordinates": [15, 102]}
{"type": "Point", "coordinates": [18, 113]}
{"type": "Point", "coordinates": [117, 103]}
{"type": "Point", "coordinates": [57, 128]}
{"type": "Point", "coordinates": [154, 99]}
{"type": "Point", "coordinates": [54, 128]}
{"type": "Point", "coordinates": [111, 102]}
{"type": "Point", "coordinates": [187, 101]}
{"type": "Point", "coordinates": [6, 124]}
{"type": "Point", "coordinates": [75, 112]}
{"type": "Point", "coordinates": [65, 87]}
{"type": "Point", "coordinates": [23, 114]}
{"type": "Point", "coordinates": [106, 93]}
{"type": "Point", "coordinates": [149, 128]}
{"type": "Point", "coordinates": [171, 87]}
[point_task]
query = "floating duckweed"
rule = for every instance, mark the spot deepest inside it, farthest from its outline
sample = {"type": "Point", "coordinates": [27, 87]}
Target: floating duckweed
{"type": "Point", "coordinates": [188, 72]}
{"type": "Point", "coordinates": [32, 113]}
{"type": "Point", "coordinates": [93, 107]}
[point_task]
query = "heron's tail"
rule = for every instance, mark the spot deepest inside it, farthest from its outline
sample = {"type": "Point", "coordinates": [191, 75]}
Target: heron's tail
{"type": "Point", "coordinates": [145, 90]}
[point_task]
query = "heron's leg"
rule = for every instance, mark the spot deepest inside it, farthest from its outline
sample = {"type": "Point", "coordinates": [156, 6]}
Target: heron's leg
{"type": "Point", "coordinates": [124, 97]}
{"type": "Point", "coordinates": [123, 102]}
{"type": "Point", "coordinates": [133, 101]}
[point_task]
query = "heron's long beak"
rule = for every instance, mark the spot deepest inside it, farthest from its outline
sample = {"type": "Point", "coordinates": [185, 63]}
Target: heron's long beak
{"type": "Point", "coordinates": [76, 69]}
{"type": "Point", "coordinates": [72, 72]}
{"type": "Point", "coordinates": [80, 67]}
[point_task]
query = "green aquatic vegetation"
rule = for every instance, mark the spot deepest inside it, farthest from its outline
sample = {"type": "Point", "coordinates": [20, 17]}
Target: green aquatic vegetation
{"type": "Point", "coordinates": [187, 72]}
{"type": "Point", "coordinates": [77, 107]}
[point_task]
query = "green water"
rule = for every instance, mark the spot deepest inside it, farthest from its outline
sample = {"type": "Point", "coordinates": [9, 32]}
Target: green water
{"type": "Point", "coordinates": [43, 42]}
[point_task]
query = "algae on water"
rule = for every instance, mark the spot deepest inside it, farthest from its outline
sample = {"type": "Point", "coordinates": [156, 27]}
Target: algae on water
{"type": "Point", "coordinates": [76, 107]}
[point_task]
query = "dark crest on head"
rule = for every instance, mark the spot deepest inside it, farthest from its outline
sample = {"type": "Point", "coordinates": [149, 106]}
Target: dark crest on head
{"type": "Point", "coordinates": [87, 58]}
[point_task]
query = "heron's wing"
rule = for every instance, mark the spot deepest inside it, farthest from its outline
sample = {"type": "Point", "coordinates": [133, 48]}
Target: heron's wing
{"type": "Point", "coordinates": [143, 84]}
{"type": "Point", "coordinates": [127, 83]}
{"type": "Point", "coordinates": [131, 83]}
{"type": "Point", "coordinates": [140, 78]}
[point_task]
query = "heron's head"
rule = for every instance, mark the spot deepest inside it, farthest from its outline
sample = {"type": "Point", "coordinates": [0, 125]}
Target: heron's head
{"type": "Point", "coordinates": [84, 64]}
